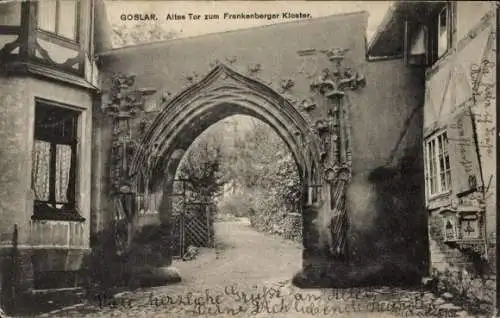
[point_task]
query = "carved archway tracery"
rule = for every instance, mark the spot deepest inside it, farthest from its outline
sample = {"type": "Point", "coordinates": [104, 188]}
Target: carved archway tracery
{"type": "Point", "coordinates": [224, 92]}
{"type": "Point", "coordinates": [321, 145]}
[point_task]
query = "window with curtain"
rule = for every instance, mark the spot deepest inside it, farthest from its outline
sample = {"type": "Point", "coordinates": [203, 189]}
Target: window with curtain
{"type": "Point", "coordinates": [54, 161]}
{"type": "Point", "coordinates": [59, 17]}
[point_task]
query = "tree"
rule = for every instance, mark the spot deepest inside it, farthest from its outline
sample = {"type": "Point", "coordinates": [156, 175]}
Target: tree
{"type": "Point", "coordinates": [247, 154]}
{"type": "Point", "coordinates": [260, 162]}
{"type": "Point", "coordinates": [201, 167]}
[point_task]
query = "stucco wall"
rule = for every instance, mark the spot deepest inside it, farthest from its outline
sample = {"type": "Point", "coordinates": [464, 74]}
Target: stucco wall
{"type": "Point", "coordinates": [51, 239]}
{"type": "Point", "coordinates": [164, 66]}
{"type": "Point", "coordinates": [387, 200]}
{"type": "Point", "coordinates": [471, 74]}
{"type": "Point", "coordinates": [15, 156]}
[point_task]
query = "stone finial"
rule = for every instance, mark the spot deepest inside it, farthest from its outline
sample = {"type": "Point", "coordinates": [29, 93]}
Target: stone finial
{"type": "Point", "coordinates": [191, 77]}
{"type": "Point", "coordinates": [326, 84]}
{"type": "Point", "coordinates": [123, 99]}
{"type": "Point", "coordinates": [165, 96]}
{"type": "Point", "coordinates": [286, 84]}
{"type": "Point", "coordinates": [121, 80]}
{"type": "Point", "coordinates": [231, 59]}
{"type": "Point", "coordinates": [254, 68]}
{"type": "Point", "coordinates": [307, 104]}
{"type": "Point", "coordinates": [334, 83]}
{"type": "Point", "coordinates": [290, 98]}
{"type": "Point", "coordinates": [321, 126]}
{"type": "Point", "coordinates": [335, 54]}
{"type": "Point", "coordinates": [351, 80]}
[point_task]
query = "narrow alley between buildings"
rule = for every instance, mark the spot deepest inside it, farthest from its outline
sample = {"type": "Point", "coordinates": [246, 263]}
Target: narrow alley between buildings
{"type": "Point", "coordinates": [247, 274]}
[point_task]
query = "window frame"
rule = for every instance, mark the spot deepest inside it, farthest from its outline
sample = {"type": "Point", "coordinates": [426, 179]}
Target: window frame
{"type": "Point", "coordinates": [69, 211]}
{"type": "Point", "coordinates": [446, 8]}
{"type": "Point", "coordinates": [56, 33]}
{"type": "Point", "coordinates": [432, 25]}
{"type": "Point", "coordinates": [439, 149]}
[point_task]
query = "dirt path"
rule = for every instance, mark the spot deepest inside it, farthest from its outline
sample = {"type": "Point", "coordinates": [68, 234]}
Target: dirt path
{"type": "Point", "coordinates": [241, 255]}
{"type": "Point", "coordinates": [248, 275]}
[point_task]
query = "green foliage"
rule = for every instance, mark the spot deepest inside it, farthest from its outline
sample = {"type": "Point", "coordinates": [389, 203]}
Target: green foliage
{"type": "Point", "coordinates": [201, 168]}
{"type": "Point", "coordinates": [248, 155]}
{"type": "Point", "coordinates": [238, 205]}
{"type": "Point", "coordinates": [260, 159]}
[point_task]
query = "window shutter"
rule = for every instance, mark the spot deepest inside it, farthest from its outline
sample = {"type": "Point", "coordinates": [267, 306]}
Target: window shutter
{"type": "Point", "coordinates": [464, 159]}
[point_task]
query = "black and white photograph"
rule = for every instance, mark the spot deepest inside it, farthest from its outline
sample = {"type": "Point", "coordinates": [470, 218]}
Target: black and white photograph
{"type": "Point", "coordinates": [248, 158]}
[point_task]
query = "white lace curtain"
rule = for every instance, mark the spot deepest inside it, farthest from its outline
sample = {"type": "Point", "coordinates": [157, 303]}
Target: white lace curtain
{"type": "Point", "coordinates": [42, 171]}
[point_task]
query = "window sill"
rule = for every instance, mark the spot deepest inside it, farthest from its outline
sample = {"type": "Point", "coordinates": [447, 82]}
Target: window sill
{"type": "Point", "coordinates": [49, 214]}
{"type": "Point", "coordinates": [434, 68]}
{"type": "Point", "coordinates": [439, 201]}
{"type": "Point", "coordinates": [63, 216]}
{"type": "Point", "coordinates": [438, 196]}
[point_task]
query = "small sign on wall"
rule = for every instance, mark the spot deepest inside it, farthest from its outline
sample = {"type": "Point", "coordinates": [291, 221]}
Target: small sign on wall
{"type": "Point", "coordinates": [462, 225]}
{"type": "Point", "coordinates": [470, 226]}
{"type": "Point", "coordinates": [450, 233]}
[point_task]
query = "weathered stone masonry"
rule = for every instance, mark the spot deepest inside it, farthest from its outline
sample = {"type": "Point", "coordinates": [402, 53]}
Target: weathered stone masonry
{"type": "Point", "coordinates": [304, 73]}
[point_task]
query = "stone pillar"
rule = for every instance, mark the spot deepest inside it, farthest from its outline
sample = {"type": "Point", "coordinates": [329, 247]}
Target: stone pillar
{"type": "Point", "coordinates": [326, 223]}
{"type": "Point", "coordinates": [141, 255]}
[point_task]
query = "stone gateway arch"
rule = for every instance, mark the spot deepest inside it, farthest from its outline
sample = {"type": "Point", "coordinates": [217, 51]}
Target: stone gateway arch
{"type": "Point", "coordinates": [222, 93]}
{"type": "Point", "coordinates": [323, 165]}
{"type": "Point", "coordinates": [353, 128]}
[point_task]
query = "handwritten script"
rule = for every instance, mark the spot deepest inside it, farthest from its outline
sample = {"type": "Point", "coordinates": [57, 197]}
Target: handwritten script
{"type": "Point", "coordinates": [265, 301]}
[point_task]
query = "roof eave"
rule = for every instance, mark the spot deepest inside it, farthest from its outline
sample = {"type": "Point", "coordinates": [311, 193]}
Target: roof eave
{"type": "Point", "coordinates": [388, 17]}
{"type": "Point", "coordinates": [401, 10]}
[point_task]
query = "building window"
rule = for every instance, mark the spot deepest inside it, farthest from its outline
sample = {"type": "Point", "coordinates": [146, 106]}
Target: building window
{"type": "Point", "coordinates": [443, 32]}
{"type": "Point", "coordinates": [59, 17]}
{"type": "Point", "coordinates": [438, 172]}
{"type": "Point", "coordinates": [54, 162]}
{"type": "Point", "coordinates": [438, 33]}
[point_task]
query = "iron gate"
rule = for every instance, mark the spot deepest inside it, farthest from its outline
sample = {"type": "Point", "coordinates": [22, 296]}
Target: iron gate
{"type": "Point", "coordinates": [193, 221]}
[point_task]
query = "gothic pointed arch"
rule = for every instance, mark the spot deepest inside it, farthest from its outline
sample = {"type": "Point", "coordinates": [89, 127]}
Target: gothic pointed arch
{"type": "Point", "coordinates": [221, 93]}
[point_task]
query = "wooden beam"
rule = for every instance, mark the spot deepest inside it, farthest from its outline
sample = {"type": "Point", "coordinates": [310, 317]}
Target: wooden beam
{"type": "Point", "coordinates": [406, 44]}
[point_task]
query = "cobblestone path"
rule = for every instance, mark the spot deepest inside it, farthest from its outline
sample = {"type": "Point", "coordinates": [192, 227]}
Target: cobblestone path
{"type": "Point", "coordinates": [248, 275]}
